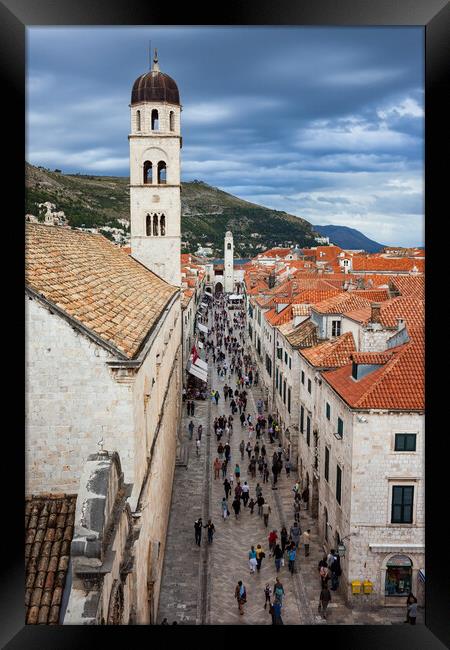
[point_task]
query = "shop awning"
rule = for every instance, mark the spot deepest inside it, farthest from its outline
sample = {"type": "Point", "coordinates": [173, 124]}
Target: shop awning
{"type": "Point", "coordinates": [196, 371]}
{"type": "Point", "coordinates": [421, 575]}
{"type": "Point", "coordinates": [202, 328]}
{"type": "Point", "coordinates": [235, 296]}
{"type": "Point", "coordinates": [201, 364]}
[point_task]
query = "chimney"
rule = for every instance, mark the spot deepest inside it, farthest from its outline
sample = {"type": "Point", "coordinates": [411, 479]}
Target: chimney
{"type": "Point", "coordinates": [400, 324]}
{"type": "Point", "coordinates": [376, 312]}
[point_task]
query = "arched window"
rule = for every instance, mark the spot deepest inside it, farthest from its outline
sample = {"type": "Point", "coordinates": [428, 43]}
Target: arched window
{"type": "Point", "coordinates": [172, 120]}
{"type": "Point", "coordinates": [155, 120]}
{"type": "Point", "coordinates": [148, 225]}
{"type": "Point", "coordinates": [148, 178]}
{"type": "Point", "coordinates": [162, 173]}
{"type": "Point", "coordinates": [229, 247]}
{"type": "Point", "coordinates": [138, 120]}
{"type": "Point", "coordinates": [162, 224]}
{"type": "Point", "coordinates": [155, 225]}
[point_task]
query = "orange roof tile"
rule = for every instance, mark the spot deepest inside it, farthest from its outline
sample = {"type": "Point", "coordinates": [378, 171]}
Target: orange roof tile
{"type": "Point", "coordinates": [331, 354]}
{"type": "Point", "coordinates": [341, 303]}
{"type": "Point", "coordinates": [93, 282]}
{"type": "Point", "coordinates": [409, 308]}
{"type": "Point", "coordinates": [378, 263]}
{"type": "Point", "coordinates": [396, 385]}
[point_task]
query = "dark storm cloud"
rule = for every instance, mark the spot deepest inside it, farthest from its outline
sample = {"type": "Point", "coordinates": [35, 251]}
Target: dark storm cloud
{"type": "Point", "coordinates": [325, 123]}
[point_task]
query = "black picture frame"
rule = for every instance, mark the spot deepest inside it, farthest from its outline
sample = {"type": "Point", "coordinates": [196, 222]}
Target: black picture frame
{"type": "Point", "coordinates": [15, 16]}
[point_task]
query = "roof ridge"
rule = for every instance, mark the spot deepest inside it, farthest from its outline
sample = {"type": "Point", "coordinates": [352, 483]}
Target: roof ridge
{"type": "Point", "coordinates": [385, 370]}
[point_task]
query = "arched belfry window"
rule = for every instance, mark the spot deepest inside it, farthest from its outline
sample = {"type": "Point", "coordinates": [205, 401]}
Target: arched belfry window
{"type": "Point", "coordinates": [172, 120]}
{"type": "Point", "coordinates": [229, 246]}
{"type": "Point", "coordinates": [138, 120]}
{"type": "Point", "coordinates": [155, 120]}
{"type": "Point", "coordinates": [148, 225]}
{"type": "Point", "coordinates": [147, 172]}
{"type": "Point", "coordinates": [155, 225]}
{"type": "Point", "coordinates": [162, 224]}
{"type": "Point", "coordinates": [162, 173]}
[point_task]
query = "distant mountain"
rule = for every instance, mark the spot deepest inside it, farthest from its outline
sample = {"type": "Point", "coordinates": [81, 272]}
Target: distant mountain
{"type": "Point", "coordinates": [206, 212]}
{"type": "Point", "coordinates": [349, 238]}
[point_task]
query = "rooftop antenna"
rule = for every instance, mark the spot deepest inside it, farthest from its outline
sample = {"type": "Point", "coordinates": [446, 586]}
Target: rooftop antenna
{"type": "Point", "coordinates": [155, 67]}
{"type": "Point", "coordinates": [150, 54]}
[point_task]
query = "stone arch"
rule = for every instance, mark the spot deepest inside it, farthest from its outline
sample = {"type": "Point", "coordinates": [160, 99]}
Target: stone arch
{"type": "Point", "coordinates": [148, 172]}
{"type": "Point", "coordinates": [116, 602]}
{"type": "Point", "coordinates": [162, 225]}
{"type": "Point", "coordinates": [162, 172]}
{"type": "Point", "coordinates": [155, 225]}
{"type": "Point", "coordinates": [398, 577]}
{"type": "Point", "coordinates": [218, 287]}
{"type": "Point", "coordinates": [148, 225]}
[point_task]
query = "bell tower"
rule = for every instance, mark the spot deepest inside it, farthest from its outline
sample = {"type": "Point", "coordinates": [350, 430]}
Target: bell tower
{"type": "Point", "coordinates": [228, 263]}
{"type": "Point", "coordinates": [155, 204]}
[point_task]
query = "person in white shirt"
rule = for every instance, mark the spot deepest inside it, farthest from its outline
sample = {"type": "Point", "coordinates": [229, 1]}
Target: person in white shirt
{"type": "Point", "coordinates": [197, 448]}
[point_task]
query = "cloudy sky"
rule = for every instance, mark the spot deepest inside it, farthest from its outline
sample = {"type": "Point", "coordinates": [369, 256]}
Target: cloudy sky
{"type": "Point", "coordinates": [324, 123]}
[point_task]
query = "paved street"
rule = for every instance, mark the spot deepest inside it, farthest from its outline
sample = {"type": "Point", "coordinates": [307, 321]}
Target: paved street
{"type": "Point", "coordinates": [198, 583]}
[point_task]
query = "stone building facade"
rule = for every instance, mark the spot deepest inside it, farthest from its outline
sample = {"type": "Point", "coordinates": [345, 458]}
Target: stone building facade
{"type": "Point", "coordinates": [104, 362]}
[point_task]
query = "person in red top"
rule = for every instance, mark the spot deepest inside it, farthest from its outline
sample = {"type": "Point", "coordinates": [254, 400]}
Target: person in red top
{"type": "Point", "coordinates": [272, 540]}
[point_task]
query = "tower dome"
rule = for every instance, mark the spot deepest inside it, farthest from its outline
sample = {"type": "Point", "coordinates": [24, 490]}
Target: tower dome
{"type": "Point", "coordinates": [155, 86]}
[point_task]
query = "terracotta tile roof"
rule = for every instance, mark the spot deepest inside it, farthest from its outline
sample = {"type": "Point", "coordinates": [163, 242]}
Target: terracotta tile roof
{"type": "Point", "coordinates": [126, 249]}
{"type": "Point", "coordinates": [301, 310]}
{"type": "Point", "coordinates": [185, 258]}
{"type": "Point", "coordinates": [341, 303]}
{"type": "Point", "coordinates": [378, 263]}
{"type": "Point", "coordinates": [315, 295]}
{"type": "Point", "coordinates": [374, 295]}
{"type": "Point", "coordinates": [396, 385]}
{"type": "Point", "coordinates": [303, 336]}
{"type": "Point", "coordinates": [186, 297]}
{"type": "Point", "coordinates": [410, 285]}
{"type": "Point", "coordinates": [284, 316]}
{"type": "Point", "coordinates": [49, 522]}
{"type": "Point", "coordinates": [93, 282]}
{"type": "Point", "coordinates": [372, 357]}
{"type": "Point", "coordinates": [331, 354]}
{"type": "Point", "coordinates": [410, 309]}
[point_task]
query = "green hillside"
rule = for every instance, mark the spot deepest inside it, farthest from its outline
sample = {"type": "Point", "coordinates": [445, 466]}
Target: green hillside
{"type": "Point", "coordinates": [207, 212]}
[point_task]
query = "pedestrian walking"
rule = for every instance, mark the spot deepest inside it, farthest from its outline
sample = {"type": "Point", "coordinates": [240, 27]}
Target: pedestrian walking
{"type": "Point", "coordinates": [217, 467]}
{"type": "Point", "coordinates": [260, 555]}
{"type": "Point", "coordinates": [237, 471]}
{"type": "Point", "coordinates": [251, 505]}
{"type": "Point", "coordinates": [192, 407]}
{"type": "Point", "coordinates": [283, 538]}
{"type": "Point", "coordinates": [240, 594]}
{"type": "Point", "coordinates": [272, 540]}
{"type": "Point", "coordinates": [236, 505]}
{"type": "Point", "coordinates": [225, 511]}
{"type": "Point", "coordinates": [266, 510]}
{"type": "Point", "coordinates": [252, 559]}
{"type": "Point", "coordinates": [267, 594]}
{"type": "Point", "coordinates": [306, 539]}
{"type": "Point", "coordinates": [245, 493]}
{"type": "Point", "coordinates": [275, 611]}
{"type": "Point", "coordinates": [191, 429]}
{"type": "Point", "coordinates": [278, 591]}
{"type": "Point", "coordinates": [242, 449]}
{"type": "Point", "coordinates": [227, 487]}
{"type": "Point", "coordinates": [324, 600]}
{"type": "Point", "coordinates": [248, 449]}
{"type": "Point", "coordinates": [335, 572]}
{"type": "Point", "coordinates": [324, 571]}
{"type": "Point", "coordinates": [224, 468]}
{"type": "Point", "coordinates": [297, 510]}
{"type": "Point", "coordinates": [198, 525]}
{"type": "Point", "coordinates": [197, 447]}
{"type": "Point", "coordinates": [287, 467]}
{"type": "Point", "coordinates": [210, 530]}
{"type": "Point", "coordinates": [295, 533]}
{"type": "Point", "coordinates": [260, 501]}
{"type": "Point", "coordinates": [278, 557]}
{"type": "Point", "coordinates": [292, 552]}
{"type": "Point", "coordinates": [305, 497]}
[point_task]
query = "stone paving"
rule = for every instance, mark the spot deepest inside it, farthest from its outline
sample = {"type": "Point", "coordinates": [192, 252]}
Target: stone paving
{"type": "Point", "coordinates": [198, 583]}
